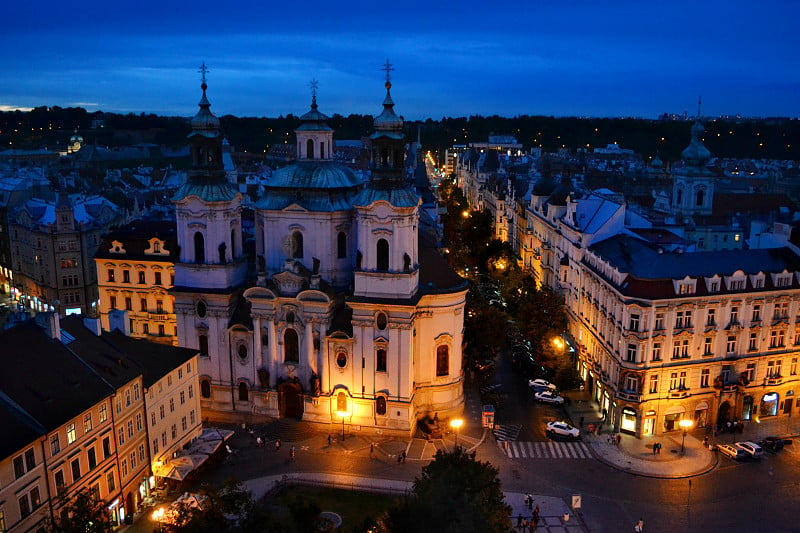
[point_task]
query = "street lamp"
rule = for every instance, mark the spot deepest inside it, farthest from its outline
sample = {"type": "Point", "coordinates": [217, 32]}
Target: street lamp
{"type": "Point", "coordinates": [558, 342]}
{"type": "Point", "coordinates": [685, 425]}
{"type": "Point", "coordinates": [158, 514]}
{"type": "Point", "coordinates": [343, 414]}
{"type": "Point", "coordinates": [456, 424]}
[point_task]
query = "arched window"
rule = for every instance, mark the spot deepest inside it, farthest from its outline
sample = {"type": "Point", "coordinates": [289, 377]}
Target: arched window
{"type": "Point", "coordinates": [205, 388]}
{"type": "Point", "coordinates": [297, 241]}
{"type": "Point", "coordinates": [242, 351]}
{"type": "Point", "coordinates": [700, 197]}
{"type": "Point", "coordinates": [322, 150]}
{"type": "Point", "coordinates": [203, 342]}
{"type": "Point", "coordinates": [291, 348]}
{"type": "Point", "coordinates": [679, 197]}
{"type": "Point", "coordinates": [243, 392]}
{"type": "Point", "coordinates": [381, 321]}
{"type": "Point", "coordinates": [341, 359]}
{"type": "Point", "coordinates": [380, 405]}
{"type": "Point", "coordinates": [199, 248]}
{"type": "Point", "coordinates": [201, 309]}
{"type": "Point", "coordinates": [341, 245]}
{"type": "Point", "coordinates": [380, 361]}
{"type": "Point", "coordinates": [309, 149]}
{"type": "Point", "coordinates": [383, 254]}
{"type": "Point", "coordinates": [442, 360]}
{"type": "Point", "coordinates": [406, 263]}
{"type": "Point", "coordinates": [341, 402]}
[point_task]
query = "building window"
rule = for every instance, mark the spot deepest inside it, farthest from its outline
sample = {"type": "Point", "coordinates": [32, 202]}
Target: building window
{"type": "Point", "coordinates": [673, 381]}
{"type": "Point", "coordinates": [380, 405]}
{"type": "Point", "coordinates": [164, 438]}
{"type": "Point", "coordinates": [631, 384]}
{"type": "Point", "coordinates": [172, 405]}
{"type": "Point", "coordinates": [138, 421]}
{"type": "Point", "coordinates": [734, 315]}
{"type": "Point", "coordinates": [191, 391]}
{"type": "Point", "coordinates": [634, 323]}
{"type": "Point", "coordinates": [146, 328]}
{"type": "Point", "coordinates": [750, 373]}
{"type": "Point", "coordinates": [291, 347]}
{"type": "Point", "coordinates": [126, 276]}
{"type": "Point", "coordinates": [191, 416]}
{"type": "Point", "coordinates": [157, 275]}
{"type": "Point", "coordinates": [657, 351]}
{"type": "Point", "coordinates": [704, 376]}
{"type": "Point", "coordinates": [707, 346]}
{"type": "Point", "coordinates": [380, 360]}
{"type": "Point", "coordinates": [203, 342]}
{"type": "Point", "coordinates": [121, 436]}
{"type": "Point", "coordinates": [111, 482]}
{"type": "Point", "coordinates": [76, 469]}
{"type": "Point", "coordinates": [653, 384]}
{"type": "Point", "coordinates": [242, 351]}
{"type": "Point", "coordinates": [87, 422]}
{"type": "Point", "coordinates": [341, 245]}
{"type": "Point", "coordinates": [124, 468]}
{"type": "Point", "coordinates": [183, 423]}
{"type": "Point", "coordinates": [71, 433]}
{"type": "Point", "coordinates": [683, 319]}
{"type": "Point", "coordinates": [631, 354]}
{"type": "Point", "coordinates": [112, 302]}
{"type": "Point", "coordinates": [659, 321]}
{"type": "Point", "coordinates": [297, 245]}
{"type": "Point", "coordinates": [751, 345]}
{"type": "Point", "coordinates": [199, 248]}
{"type": "Point", "coordinates": [381, 321]}
{"type": "Point", "coordinates": [341, 359]}
{"type": "Point", "coordinates": [60, 482]}
{"type": "Point", "coordinates": [183, 397]}
{"type": "Point", "coordinates": [110, 275]}
{"type": "Point", "coordinates": [442, 360]}
{"type": "Point", "coordinates": [55, 445]}
{"type": "Point", "coordinates": [730, 346]}
{"type": "Point", "coordinates": [756, 313]}
{"type": "Point", "coordinates": [711, 317]}
{"type": "Point", "coordinates": [153, 418]}
{"type": "Point", "coordinates": [141, 277]}
{"type": "Point", "coordinates": [205, 388]}
{"type": "Point", "coordinates": [382, 249]}
{"type": "Point", "coordinates": [682, 381]}
{"type": "Point", "coordinates": [92, 456]}
{"type": "Point", "coordinates": [106, 447]}
{"type": "Point", "coordinates": [143, 304]}
{"type": "Point", "coordinates": [175, 428]}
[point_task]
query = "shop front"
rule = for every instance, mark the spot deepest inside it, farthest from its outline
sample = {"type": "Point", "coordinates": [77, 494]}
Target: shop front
{"type": "Point", "coordinates": [701, 414]}
{"type": "Point", "coordinates": [769, 405]}
{"type": "Point", "coordinates": [627, 422]}
{"type": "Point", "coordinates": [649, 426]}
{"type": "Point", "coordinates": [671, 417]}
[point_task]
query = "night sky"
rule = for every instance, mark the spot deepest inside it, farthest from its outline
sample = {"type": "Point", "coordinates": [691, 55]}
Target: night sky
{"type": "Point", "coordinates": [556, 57]}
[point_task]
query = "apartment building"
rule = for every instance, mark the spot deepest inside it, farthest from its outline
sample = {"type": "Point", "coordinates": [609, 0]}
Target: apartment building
{"type": "Point", "coordinates": [135, 270]}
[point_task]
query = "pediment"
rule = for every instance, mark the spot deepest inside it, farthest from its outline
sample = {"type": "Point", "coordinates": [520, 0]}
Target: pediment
{"type": "Point", "coordinates": [289, 283]}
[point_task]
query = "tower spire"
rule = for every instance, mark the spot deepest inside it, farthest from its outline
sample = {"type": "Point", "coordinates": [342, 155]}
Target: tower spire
{"type": "Point", "coordinates": [314, 84]}
{"type": "Point", "coordinates": [699, 105]}
{"type": "Point", "coordinates": [388, 68]}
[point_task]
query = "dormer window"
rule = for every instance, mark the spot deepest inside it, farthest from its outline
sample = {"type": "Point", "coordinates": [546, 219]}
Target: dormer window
{"type": "Point", "coordinates": [686, 288]}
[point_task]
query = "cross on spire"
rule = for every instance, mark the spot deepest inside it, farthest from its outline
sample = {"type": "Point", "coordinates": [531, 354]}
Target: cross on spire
{"type": "Point", "coordinates": [699, 104]}
{"type": "Point", "coordinates": [203, 70]}
{"type": "Point", "coordinates": [314, 84]}
{"type": "Point", "coordinates": [388, 68]}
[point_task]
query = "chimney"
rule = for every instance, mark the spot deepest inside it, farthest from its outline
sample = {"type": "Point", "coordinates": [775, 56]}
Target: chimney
{"type": "Point", "coordinates": [50, 323]}
{"type": "Point", "coordinates": [118, 320]}
{"type": "Point", "coordinates": [93, 325]}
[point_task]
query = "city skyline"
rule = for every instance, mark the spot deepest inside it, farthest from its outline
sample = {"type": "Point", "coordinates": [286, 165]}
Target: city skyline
{"type": "Point", "coordinates": [588, 59]}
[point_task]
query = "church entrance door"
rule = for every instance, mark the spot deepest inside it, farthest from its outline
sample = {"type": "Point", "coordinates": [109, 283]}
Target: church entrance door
{"type": "Point", "coordinates": [290, 400]}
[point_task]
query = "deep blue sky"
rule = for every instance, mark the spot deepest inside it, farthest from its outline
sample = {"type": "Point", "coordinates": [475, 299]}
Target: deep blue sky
{"type": "Point", "coordinates": [552, 57]}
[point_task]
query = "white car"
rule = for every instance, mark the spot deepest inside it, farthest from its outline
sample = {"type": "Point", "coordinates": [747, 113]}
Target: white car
{"type": "Point", "coordinates": [731, 451]}
{"type": "Point", "coordinates": [563, 429]}
{"type": "Point", "coordinates": [750, 448]}
{"type": "Point", "coordinates": [540, 384]}
{"type": "Point", "coordinates": [548, 396]}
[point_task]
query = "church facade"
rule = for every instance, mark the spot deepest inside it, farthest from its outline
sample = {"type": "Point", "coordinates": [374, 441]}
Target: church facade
{"type": "Point", "coordinates": [349, 314]}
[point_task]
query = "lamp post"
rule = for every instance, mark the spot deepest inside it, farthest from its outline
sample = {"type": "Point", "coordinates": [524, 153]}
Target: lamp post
{"type": "Point", "coordinates": [343, 414]}
{"type": "Point", "coordinates": [685, 425]}
{"type": "Point", "coordinates": [456, 424]}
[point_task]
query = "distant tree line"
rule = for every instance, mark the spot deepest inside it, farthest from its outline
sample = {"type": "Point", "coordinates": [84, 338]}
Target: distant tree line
{"type": "Point", "coordinates": [777, 138]}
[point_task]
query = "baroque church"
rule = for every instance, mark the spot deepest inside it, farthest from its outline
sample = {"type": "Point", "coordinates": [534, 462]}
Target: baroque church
{"type": "Point", "coordinates": [350, 314]}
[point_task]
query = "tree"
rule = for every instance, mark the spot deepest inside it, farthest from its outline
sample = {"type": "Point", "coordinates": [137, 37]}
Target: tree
{"type": "Point", "coordinates": [455, 493]}
{"type": "Point", "coordinates": [85, 513]}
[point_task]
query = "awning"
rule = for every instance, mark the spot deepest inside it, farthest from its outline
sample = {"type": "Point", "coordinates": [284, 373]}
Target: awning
{"type": "Point", "coordinates": [215, 434]}
{"type": "Point", "coordinates": [674, 410]}
{"type": "Point", "coordinates": [206, 447]}
{"type": "Point", "coordinates": [180, 467]}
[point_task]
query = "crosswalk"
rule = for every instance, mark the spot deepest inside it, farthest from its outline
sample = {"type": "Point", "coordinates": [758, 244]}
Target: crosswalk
{"type": "Point", "coordinates": [546, 450]}
{"type": "Point", "coordinates": [507, 432]}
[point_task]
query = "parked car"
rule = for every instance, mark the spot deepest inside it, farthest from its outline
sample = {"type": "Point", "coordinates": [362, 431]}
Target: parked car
{"type": "Point", "coordinates": [548, 396]}
{"type": "Point", "coordinates": [540, 383]}
{"type": "Point", "coordinates": [563, 429]}
{"type": "Point", "coordinates": [752, 449]}
{"type": "Point", "coordinates": [486, 365]}
{"type": "Point", "coordinates": [731, 451]}
{"type": "Point", "coordinates": [772, 443]}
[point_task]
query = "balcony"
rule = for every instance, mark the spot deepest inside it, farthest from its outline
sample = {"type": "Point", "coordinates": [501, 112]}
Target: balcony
{"type": "Point", "coordinates": [772, 381]}
{"type": "Point", "coordinates": [630, 396]}
{"type": "Point", "coordinates": [679, 393]}
{"type": "Point", "coordinates": [732, 387]}
{"type": "Point", "coordinates": [158, 317]}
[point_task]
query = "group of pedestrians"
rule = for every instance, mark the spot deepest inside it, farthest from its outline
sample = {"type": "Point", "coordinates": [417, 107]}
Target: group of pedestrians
{"type": "Point", "coordinates": [656, 448]}
{"type": "Point", "coordinates": [525, 524]}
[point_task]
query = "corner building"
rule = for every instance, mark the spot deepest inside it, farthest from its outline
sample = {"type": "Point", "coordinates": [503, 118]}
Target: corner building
{"type": "Point", "coordinates": [352, 315]}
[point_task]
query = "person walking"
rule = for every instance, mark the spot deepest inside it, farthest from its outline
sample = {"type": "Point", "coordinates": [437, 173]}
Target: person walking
{"type": "Point", "coordinates": [372, 451]}
{"type": "Point", "coordinates": [277, 444]}
{"type": "Point", "coordinates": [259, 442]}
{"type": "Point", "coordinates": [329, 441]}
{"type": "Point", "coordinates": [403, 455]}
{"type": "Point", "coordinates": [639, 527]}
{"type": "Point", "coordinates": [291, 453]}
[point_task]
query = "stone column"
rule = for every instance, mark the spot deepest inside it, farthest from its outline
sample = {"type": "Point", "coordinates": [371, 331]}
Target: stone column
{"type": "Point", "coordinates": [322, 358]}
{"type": "Point", "coordinates": [257, 347]}
{"type": "Point", "coordinates": [273, 353]}
{"type": "Point", "coordinates": [309, 335]}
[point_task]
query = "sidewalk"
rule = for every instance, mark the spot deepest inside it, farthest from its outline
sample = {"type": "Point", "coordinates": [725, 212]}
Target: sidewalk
{"type": "Point", "coordinates": [677, 459]}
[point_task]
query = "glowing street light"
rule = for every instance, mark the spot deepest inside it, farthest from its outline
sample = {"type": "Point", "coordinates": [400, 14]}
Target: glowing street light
{"type": "Point", "coordinates": [558, 342]}
{"type": "Point", "coordinates": [685, 425]}
{"type": "Point", "coordinates": [343, 414]}
{"type": "Point", "coordinates": [158, 515]}
{"type": "Point", "coordinates": [456, 424]}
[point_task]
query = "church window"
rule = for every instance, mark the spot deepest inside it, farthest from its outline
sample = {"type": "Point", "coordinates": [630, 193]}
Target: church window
{"type": "Point", "coordinates": [242, 351]}
{"type": "Point", "coordinates": [205, 388]}
{"type": "Point", "coordinates": [679, 197]}
{"type": "Point", "coordinates": [310, 149]}
{"type": "Point", "coordinates": [322, 150]}
{"type": "Point", "coordinates": [291, 348]}
{"type": "Point", "coordinates": [383, 254]}
{"type": "Point", "coordinates": [201, 309]}
{"type": "Point", "coordinates": [700, 197]}
{"type": "Point", "coordinates": [380, 405]}
{"type": "Point", "coordinates": [380, 321]}
{"type": "Point", "coordinates": [442, 360]}
{"type": "Point", "coordinates": [341, 359]}
{"type": "Point", "coordinates": [341, 402]}
{"type": "Point", "coordinates": [243, 392]}
{"type": "Point", "coordinates": [341, 245]}
{"type": "Point", "coordinates": [203, 341]}
{"type": "Point", "coordinates": [290, 317]}
{"type": "Point", "coordinates": [297, 242]}
{"type": "Point", "coordinates": [406, 263]}
{"type": "Point", "coordinates": [199, 248]}
{"type": "Point", "coordinates": [380, 361]}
